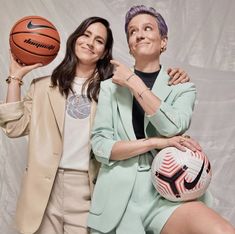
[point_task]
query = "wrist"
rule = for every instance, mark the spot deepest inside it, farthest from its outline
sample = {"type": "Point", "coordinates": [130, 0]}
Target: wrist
{"type": "Point", "coordinates": [130, 76]}
{"type": "Point", "coordinates": [14, 79]}
{"type": "Point", "coordinates": [135, 83]}
{"type": "Point", "coordinates": [16, 75]}
{"type": "Point", "coordinates": [160, 143]}
{"type": "Point", "coordinates": [150, 142]}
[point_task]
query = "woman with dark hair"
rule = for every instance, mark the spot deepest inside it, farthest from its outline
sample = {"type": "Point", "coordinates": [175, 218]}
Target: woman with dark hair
{"type": "Point", "coordinates": [57, 114]}
{"type": "Point", "coordinates": [138, 113]}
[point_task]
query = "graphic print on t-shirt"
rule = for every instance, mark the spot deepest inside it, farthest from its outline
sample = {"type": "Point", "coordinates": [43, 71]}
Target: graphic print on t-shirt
{"type": "Point", "coordinates": [78, 106]}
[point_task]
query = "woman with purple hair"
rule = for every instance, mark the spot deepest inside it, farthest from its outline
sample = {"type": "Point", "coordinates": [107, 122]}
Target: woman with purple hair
{"type": "Point", "coordinates": [139, 113]}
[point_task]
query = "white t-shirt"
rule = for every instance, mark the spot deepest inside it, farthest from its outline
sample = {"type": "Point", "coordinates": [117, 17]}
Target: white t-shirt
{"type": "Point", "coordinates": [76, 144]}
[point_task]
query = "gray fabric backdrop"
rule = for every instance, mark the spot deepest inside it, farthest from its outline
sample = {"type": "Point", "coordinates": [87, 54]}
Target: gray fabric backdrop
{"type": "Point", "coordinates": [201, 40]}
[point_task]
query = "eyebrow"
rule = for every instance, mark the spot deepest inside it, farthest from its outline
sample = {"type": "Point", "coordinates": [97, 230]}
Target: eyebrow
{"type": "Point", "coordinates": [96, 36]}
{"type": "Point", "coordinates": [146, 24]}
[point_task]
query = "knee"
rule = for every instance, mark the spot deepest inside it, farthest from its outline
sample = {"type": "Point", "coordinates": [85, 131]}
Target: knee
{"type": "Point", "coordinates": [223, 228]}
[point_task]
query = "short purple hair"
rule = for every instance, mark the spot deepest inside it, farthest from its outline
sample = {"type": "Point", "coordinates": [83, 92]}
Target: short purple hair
{"type": "Point", "coordinates": [142, 9]}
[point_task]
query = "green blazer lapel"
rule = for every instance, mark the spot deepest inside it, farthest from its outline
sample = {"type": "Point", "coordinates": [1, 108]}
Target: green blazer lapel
{"type": "Point", "coordinates": [92, 114]}
{"type": "Point", "coordinates": [125, 102]}
{"type": "Point", "coordinates": [161, 89]}
{"type": "Point", "coordinates": [57, 102]}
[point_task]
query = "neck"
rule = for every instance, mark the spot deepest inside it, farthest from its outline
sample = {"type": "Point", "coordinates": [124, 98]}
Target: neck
{"type": "Point", "coordinates": [84, 70]}
{"type": "Point", "coordinates": [147, 66]}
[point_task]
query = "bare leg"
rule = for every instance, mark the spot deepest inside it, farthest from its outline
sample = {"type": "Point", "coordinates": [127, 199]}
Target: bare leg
{"type": "Point", "coordinates": [196, 218]}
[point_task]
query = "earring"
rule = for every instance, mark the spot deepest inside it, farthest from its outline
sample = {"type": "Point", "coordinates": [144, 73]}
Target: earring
{"type": "Point", "coordinates": [162, 49]}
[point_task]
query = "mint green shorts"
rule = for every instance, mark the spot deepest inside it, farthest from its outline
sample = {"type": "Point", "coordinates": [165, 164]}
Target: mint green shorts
{"type": "Point", "coordinates": [146, 212]}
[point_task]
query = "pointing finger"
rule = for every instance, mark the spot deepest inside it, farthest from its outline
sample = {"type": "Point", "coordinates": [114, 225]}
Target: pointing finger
{"type": "Point", "coordinates": [115, 62]}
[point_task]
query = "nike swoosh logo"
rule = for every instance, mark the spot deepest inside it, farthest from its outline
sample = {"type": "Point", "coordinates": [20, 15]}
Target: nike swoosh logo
{"type": "Point", "coordinates": [191, 185]}
{"type": "Point", "coordinates": [37, 26]}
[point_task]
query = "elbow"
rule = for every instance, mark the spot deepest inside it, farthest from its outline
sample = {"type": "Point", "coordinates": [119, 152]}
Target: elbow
{"type": "Point", "coordinates": [13, 131]}
{"type": "Point", "coordinates": [174, 130]}
{"type": "Point", "coordinates": [102, 150]}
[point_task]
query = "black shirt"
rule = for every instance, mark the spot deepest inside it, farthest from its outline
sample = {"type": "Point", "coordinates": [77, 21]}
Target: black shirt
{"type": "Point", "coordinates": [137, 111]}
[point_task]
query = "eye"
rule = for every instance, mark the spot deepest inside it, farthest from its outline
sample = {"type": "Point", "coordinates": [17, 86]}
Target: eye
{"type": "Point", "coordinates": [132, 32]}
{"type": "Point", "coordinates": [100, 42]}
{"type": "Point", "coordinates": [148, 28]}
{"type": "Point", "coordinates": [86, 35]}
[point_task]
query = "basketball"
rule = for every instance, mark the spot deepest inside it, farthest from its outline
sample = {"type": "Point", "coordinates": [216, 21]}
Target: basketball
{"type": "Point", "coordinates": [34, 39]}
{"type": "Point", "coordinates": [181, 176]}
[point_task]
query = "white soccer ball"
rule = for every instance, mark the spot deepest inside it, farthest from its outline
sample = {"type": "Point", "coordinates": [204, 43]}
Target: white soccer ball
{"type": "Point", "coordinates": [181, 176]}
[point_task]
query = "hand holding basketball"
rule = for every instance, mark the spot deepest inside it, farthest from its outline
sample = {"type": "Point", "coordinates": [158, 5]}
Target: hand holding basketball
{"type": "Point", "coordinates": [34, 39]}
{"type": "Point", "coordinates": [18, 70]}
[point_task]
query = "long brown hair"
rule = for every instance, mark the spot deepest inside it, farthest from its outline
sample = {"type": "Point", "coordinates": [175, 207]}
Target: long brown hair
{"type": "Point", "coordinates": [63, 75]}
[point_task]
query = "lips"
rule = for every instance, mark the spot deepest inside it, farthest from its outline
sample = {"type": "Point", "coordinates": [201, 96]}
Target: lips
{"type": "Point", "coordinates": [88, 50]}
{"type": "Point", "coordinates": [142, 44]}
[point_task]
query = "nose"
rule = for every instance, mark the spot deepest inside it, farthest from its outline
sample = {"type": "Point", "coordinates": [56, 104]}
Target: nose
{"type": "Point", "coordinates": [90, 42]}
{"type": "Point", "coordinates": [140, 35]}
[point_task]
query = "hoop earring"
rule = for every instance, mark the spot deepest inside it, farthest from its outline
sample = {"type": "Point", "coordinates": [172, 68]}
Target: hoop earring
{"type": "Point", "coordinates": [162, 49]}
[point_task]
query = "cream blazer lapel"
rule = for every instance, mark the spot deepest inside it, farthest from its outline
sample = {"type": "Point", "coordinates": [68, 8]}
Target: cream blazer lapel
{"type": "Point", "coordinates": [57, 102]}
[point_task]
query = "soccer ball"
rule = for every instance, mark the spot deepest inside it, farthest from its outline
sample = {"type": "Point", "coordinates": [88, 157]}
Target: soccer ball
{"type": "Point", "coordinates": [181, 176]}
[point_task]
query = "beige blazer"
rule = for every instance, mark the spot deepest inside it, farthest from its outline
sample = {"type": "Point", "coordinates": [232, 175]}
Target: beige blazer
{"type": "Point", "coordinates": [41, 116]}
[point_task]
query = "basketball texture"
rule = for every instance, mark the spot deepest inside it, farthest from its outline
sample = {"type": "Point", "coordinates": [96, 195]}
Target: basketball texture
{"type": "Point", "coordinates": [34, 39]}
{"type": "Point", "coordinates": [181, 176]}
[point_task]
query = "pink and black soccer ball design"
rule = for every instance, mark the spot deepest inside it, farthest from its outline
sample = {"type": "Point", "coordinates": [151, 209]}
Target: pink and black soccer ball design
{"type": "Point", "coordinates": [181, 176]}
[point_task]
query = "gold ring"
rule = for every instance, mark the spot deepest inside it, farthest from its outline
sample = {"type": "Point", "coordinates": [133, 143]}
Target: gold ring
{"type": "Point", "coordinates": [186, 136]}
{"type": "Point", "coordinates": [181, 140]}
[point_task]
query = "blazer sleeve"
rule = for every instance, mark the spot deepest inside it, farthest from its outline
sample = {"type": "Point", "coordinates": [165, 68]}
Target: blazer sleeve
{"type": "Point", "coordinates": [174, 116]}
{"type": "Point", "coordinates": [15, 116]}
{"type": "Point", "coordinates": [102, 136]}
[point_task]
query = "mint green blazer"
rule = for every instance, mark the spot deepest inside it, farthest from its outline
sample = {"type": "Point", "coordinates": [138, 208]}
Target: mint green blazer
{"type": "Point", "coordinates": [113, 122]}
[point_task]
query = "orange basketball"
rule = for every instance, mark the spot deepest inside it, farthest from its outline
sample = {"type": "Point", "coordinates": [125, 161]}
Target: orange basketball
{"type": "Point", "coordinates": [34, 39]}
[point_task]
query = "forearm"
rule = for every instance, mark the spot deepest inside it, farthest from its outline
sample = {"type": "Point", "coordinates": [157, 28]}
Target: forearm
{"type": "Point", "coordinates": [146, 98]}
{"type": "Point", "coordinates": [127, 149]}
{"type": "Point", "coordinates": [13, 92]}
{"type": "Point", "coordinates": [15, 80]}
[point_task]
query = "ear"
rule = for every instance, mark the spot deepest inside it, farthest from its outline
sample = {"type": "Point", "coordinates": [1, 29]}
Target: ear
{"type": "Point", "coordinates": [164, 41]}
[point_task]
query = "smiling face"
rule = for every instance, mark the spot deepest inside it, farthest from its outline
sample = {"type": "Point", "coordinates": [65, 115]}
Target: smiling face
{"type": "Point", "coordinates": [144, 39]}
{"type": "Point", "coordinates": [90, 47]}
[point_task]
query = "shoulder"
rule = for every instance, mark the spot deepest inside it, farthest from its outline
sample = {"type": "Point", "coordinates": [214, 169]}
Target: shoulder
{"type": "Point", "coordinates": [41, 81]}
{"type": "Point", "coordinates": [164, 75]}
{"type": "Point", "coordinates": [39, 85]}
{"type": "Point", "coordinates": [108, 84]}
{"type": "Point", "coordinates": [185, 86]}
